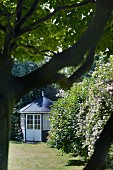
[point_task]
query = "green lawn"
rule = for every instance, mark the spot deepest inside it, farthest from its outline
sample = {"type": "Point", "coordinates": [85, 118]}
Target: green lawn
{"type": "Point", "coordinates": [39, 157]}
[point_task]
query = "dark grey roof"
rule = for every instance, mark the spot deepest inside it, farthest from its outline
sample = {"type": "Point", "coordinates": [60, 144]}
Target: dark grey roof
{"type": "Point", "coordinates": [39, 105]}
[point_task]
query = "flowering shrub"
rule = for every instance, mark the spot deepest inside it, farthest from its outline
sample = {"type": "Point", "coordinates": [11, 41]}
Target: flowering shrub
{"type": "Point", "coordinates": [79, 116]}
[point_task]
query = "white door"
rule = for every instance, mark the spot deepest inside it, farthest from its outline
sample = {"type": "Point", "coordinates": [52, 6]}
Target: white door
{"type": "Point", "coordinates": [33, 127]}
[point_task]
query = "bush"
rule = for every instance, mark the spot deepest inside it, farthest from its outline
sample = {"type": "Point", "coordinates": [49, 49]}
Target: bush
{"type": "Point", "coordinates": [78, 118]}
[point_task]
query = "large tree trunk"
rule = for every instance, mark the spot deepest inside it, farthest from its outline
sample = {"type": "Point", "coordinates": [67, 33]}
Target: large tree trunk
{"type": "Point", "coordinates": [6, 109]}
{"type": "Point", "coordinates": [4, 133]}
{"type": "Point", "coordinates": [99, 158]}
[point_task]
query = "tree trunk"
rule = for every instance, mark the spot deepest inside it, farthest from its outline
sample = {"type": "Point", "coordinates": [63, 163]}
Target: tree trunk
{"type": "Point", "coordinates": [6, 109]}
{"type": "Point", "coordinates": [99, 158]}
{"type": "Point", "coordinates": [5, 113]}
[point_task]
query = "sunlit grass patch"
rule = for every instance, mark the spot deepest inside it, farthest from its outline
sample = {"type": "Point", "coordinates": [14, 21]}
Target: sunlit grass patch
{"type": "Point", "coordinates": [38, 156]}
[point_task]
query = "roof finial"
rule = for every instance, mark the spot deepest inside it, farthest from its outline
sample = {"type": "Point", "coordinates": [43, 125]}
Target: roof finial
{"type": "Point", "coordinates": [42, 93]}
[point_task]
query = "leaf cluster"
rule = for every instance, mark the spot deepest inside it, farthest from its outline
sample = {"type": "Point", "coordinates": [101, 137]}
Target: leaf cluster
{"type": "Point", "coordinates": [61, 30]}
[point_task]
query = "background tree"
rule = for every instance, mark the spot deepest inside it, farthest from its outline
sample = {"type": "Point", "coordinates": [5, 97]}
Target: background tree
{"type": "Point", "coordinates": [39, 30]}
{"type": "Point", "coordinates": [68, 121]}
{"type": "Point", "coordinates": [79, 117]}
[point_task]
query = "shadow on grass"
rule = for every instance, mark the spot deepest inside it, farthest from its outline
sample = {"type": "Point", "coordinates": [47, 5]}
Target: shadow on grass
{"type": "Point", "coordinates": [16, 142]}
{"type": "Point", "coordinates": [75, 163]}
{"type": "Point", "coordinates": [26, 142]}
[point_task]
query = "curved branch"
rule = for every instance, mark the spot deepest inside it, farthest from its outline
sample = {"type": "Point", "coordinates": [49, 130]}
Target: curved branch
{"type": "Point", "coordinates": [13, 46]}
{"type": "Point", "coordinates": [72, 56]}
{"type": "Point", "coordinates": [65, 82]}
{"type": "Point", "coordinates": [25, 30]}
{"type": "Point", "coordinates": [2, 28]}
{"type": "Point", "coordinates": [99, 158]}
{"type": "Point", "coordinates": [27, 15]}
{"type": "Point", "coordinates": [34, 51]}
{"type": "Point", "coordinates": [8, 37]}
{"type": "Point", "coordinates": [3, 13]}
{"type": "Point", "coordinates": [35, 25]}
{"type": "Point", "coordinates": [84, 68]}
{"type": "Point", "coordinates": [40, 78]}
{"type": "Point", "coordinates": [29, 48]}
{"type": "Point", "coordinates": [81, 4]}
{"type": "Point", "coordinates": [19, 10]}
{"type": "Point", "coordinates": [61, 8]}
{"type": "Point", "coordinates": [60, 79]}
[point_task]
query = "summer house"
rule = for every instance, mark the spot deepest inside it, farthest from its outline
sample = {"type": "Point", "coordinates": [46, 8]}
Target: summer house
{"type": "Point", "coordinates": [34, 119]}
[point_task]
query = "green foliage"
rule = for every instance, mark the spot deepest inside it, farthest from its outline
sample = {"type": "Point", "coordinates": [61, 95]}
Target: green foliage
{"type": "Point", "coordinates": [16, 132]}
{"type": "Point", "coordinates": [66, 120]}
{"type": "Point", "coordinates": [61, 30]}
{"type": "Point", "coordinates": [78, 118]}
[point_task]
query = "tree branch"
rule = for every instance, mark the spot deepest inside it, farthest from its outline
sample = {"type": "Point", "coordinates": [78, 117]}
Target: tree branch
{"type": "Point", "coordinates": [60, 79]}
{"type": "Point", "coordinates": [62, 8]}
{"type": "Point", "coordinates": [38, 77]}
{"type": "Point", "coordinates": [19, 10]}
{"type": "Point", "coordinates": [3, 13]}
{"type": "Point", "coordinates": [99, 158]}
{"type": "Point", "coordinates": [72, 56]}
{"type": "Point", "coordinates": [29, 48]}
{"type": "Point", "coordinates": [34, 51]}
{"type": "Point", "coordinates": [86, 66]}
{"type": "Point", "coordinates": [65, 82]}
{"type": "Point", "coordinates": [8, 37]}
{"type": "Point", "coordinates": [25, 30]}
{"type": "Point", "coordinates": [27, 15]}
{"type": "Point", "coordinates": [76, 5]}
{"type": "Point", "coordinates": [35, 25]}
{"type": "Point", "coordinates": [13, 46]}
{"type": "Point", "coordinates": [2, 28]}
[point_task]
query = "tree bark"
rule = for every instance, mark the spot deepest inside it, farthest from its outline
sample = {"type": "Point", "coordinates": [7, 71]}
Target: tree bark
{"type": "Point", "coordinates": [6, 108]}
{"type": "Point", "coordinates": [99, 158]}
{"type": "Point", "coordinates": [5, 113]}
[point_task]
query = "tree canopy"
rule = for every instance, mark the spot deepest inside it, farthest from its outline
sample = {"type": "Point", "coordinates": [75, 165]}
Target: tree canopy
{"type": "Point", "coordinates": [40, 30]}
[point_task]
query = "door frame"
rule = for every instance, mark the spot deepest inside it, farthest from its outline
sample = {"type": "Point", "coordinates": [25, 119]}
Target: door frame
{"type": "Point", "coordinates": [33, 114]}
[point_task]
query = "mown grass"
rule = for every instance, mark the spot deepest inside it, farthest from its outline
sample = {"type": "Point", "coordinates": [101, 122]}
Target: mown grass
{"type": "Point", "coordinates": [40, 157]}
